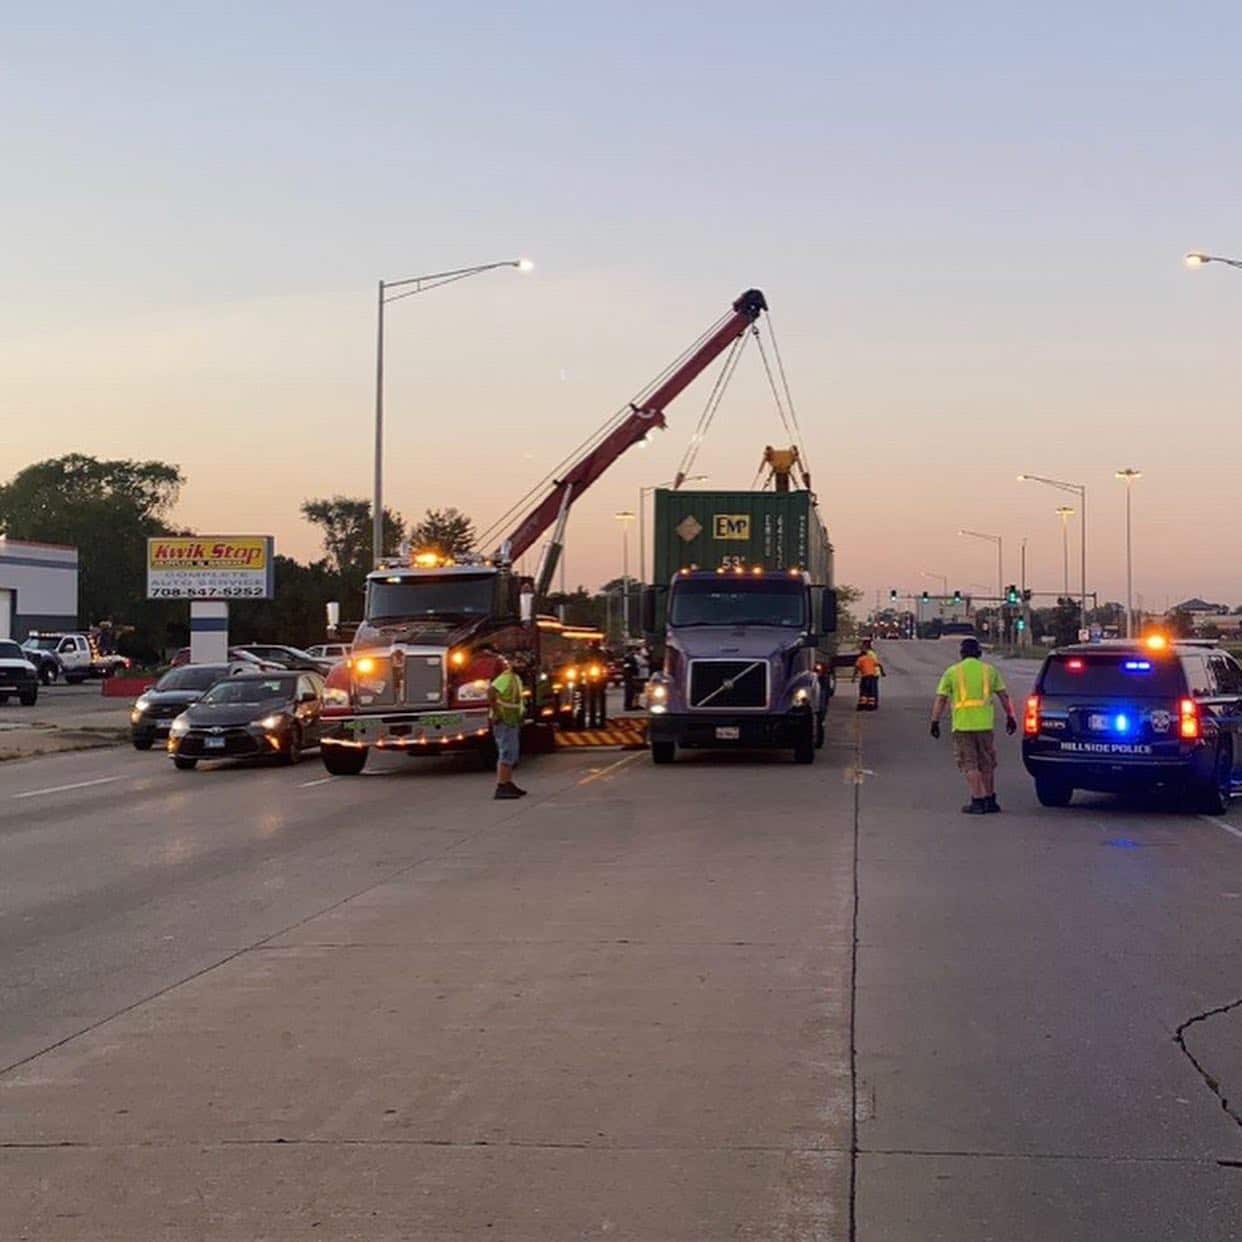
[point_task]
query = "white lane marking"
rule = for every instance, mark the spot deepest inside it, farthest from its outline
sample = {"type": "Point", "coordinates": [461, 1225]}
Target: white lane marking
{"type": "Point", "coordinates": [34, 793]}
{"type": "Point", "coordinates": [323, 780]}
{"type": "Point", "coordinates": [612, 767]}
{"type": "Point", "coordinates": [1220, 823]}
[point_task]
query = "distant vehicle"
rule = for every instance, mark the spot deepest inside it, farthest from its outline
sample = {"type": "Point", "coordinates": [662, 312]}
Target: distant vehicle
{"type": "Point", "coordinates": [1134, 716]}
{"type": "Point", "coordinates": [41, 652]}
{"type": "Point", "coordinates": [79, 656]}
{"type": "Point", "coordinates": [154, 710]}
{"type": "Point", "coordinates": [287, 657]}
{"type": "Point", "coordinates": [329, 651]}
{"type": "Point", "coordinates": [250, 715]}
{"type": "Point", "coordinates": [17, 675]}
{"type": "Point", "coordinates": [236, 654]}
{"type": "Point", "coordinates": [957, 629]}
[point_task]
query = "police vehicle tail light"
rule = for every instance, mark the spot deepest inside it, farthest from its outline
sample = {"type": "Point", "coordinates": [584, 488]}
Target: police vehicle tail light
{"type": "Point", "coordinates": [1030, 722]}
{"type": "Point", "coordinates": [1189, 712]}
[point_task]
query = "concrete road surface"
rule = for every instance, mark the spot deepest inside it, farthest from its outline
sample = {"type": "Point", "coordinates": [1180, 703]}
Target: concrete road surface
{"type": "Point", "coordinates": [734, 998]}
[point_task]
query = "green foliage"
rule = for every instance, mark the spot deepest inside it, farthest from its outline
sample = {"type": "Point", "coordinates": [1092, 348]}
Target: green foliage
{"type": "Point", "coordinates": [446, 531]}
{"type": "Point", "coordinates": [847, 622]}
{"type": "Point", "coordinates": [297, 615]}
{"type": "Point", "coordinates": [345, 523]}
{"type": "Point", "coordinates": [106, 509]}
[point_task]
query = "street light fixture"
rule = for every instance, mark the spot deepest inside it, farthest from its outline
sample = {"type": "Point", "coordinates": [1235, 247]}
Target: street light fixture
{"type": "Point", "coordinates": [1065, 512]}
{"type": "Point", "coordinates": [625, 517]}
{"type": "Point", "coordinates": [643, 493]}
{"type": "Point", "coordinates": [1000, 558]}
{"type": "Point", "coordinates": [410, 286]}
{"type": "Point", "coordinates": [1129, 474]}
{"type": "Point", "coordinates": [1197, 258]}
{"type": "Point", "coordinates": [1079, 490]}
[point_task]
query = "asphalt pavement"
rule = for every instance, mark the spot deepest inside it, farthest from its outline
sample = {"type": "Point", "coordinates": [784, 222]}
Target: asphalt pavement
{"type": "Point", "coordinates": [732, 998]}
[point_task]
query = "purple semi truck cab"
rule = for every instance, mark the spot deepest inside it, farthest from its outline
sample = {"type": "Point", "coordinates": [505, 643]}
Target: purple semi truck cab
{"type": "Point", "coordinates": [743, 665]}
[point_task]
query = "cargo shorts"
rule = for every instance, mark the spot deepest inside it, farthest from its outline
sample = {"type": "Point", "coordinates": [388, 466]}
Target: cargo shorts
{"type": "Point", "coordinates": [975, 750]}
{"type": "Point", "coordinates": [508, 738]}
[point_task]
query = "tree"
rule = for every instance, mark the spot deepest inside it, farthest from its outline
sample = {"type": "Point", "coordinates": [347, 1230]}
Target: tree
{"type": "Point", "coordinates": [847, 623]}
{"type": "Point", "coordinates": [448, 532]}
{"type": "Point", "coordinates": [296, 614]}
{"type": "Point", "coordinates": [106, 509]}
{"type": "Point", "coordinates": [1180, 623]}
{"type": "Point", "coordinates": [345, 522]}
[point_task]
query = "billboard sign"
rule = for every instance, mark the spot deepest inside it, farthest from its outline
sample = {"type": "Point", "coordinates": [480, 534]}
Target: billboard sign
{"type": "Point", "coordinates": [210, 567]}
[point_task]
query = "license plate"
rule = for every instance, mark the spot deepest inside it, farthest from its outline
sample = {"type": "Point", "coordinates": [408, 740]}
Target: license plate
{"type": "Point", "coordinates": [214, 743]}
{"type": "Point", "coordinates": [444, 720]}
{"type": "Point", "coordinates": [728, 733]}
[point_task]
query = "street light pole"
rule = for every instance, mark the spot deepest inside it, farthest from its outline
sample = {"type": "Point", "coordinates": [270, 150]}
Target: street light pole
{"type": "Point", "coordinates": [1065, 512]}
{"type": "Point", "coordinates": [1129, 474]}
{"type": "Point", "coordinates": [410, 286]}
{"type": "Point", "coordinates": [1197, 258]}
{"type": "Point", "coordinates": [1079, 490]}
{"type": "Point", "coordinates": [1000, 559]}
{"type": "Point", "coordinates": [625, 517]}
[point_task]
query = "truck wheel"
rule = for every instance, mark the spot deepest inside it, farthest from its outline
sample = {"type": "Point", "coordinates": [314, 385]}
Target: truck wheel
{"type": "Point", "coordinates": [184, 763]}
{"type": "Point", "coordinates": [663, 752]}
{"type": "Point", "coordinates": [804, 748]}
{"type": "Point", "coordinates": [28, 698]}
{"type": "Point", "coordinates": [1052, 792]}
{"type": "Point", "coordinates": [47, 675]}
{"type": "Point", "coordinates": [344, 760]}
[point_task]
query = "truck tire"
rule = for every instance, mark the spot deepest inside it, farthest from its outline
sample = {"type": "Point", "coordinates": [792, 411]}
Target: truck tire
{"type": "Point", "coordinates": [344, 760]}
{"type": "Point", "coordinates": [28, 698]}
{"type": "Point", "coordinates": [1052, 792]}
{"type": "Point", "coordinates": [804, 748]}
{"type": "Point", "coordinates": [663, 752]}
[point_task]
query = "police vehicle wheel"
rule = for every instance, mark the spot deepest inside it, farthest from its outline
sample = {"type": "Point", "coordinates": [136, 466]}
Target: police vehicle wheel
{"type": "Point", "coordinates": [344, 760]}
{"type": "Point", "coordinates": [663, 752]}
{"type": "Point", "coordinates": [184, 764]}
{"type": "Point", "coordinates": [1215, 796]}
{"type": "Point", "coordinates": [1053, 792]}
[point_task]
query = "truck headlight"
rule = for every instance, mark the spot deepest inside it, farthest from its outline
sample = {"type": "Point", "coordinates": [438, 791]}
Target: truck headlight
{"type": "Point", "coordinates": [472, 691]}
{"type": "Point", "coordinates": [802, 695]}
{"type": "Point", "coordinates": [657, 693]}
{"type": "Point", "coordinates": [334, 696]}
{"type": "Point", "coordinates": [180, 727]}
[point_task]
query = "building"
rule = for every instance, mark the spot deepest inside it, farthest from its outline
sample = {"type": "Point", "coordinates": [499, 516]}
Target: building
{"type": "Point", "coordinates": [38, 587]}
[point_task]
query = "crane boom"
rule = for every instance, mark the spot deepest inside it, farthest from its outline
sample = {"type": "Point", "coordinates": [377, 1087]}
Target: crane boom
{"type": "Point", "coordinates": [644, 414]}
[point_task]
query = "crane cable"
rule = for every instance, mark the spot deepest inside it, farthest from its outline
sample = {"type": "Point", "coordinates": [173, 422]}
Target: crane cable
{"type": "Point", "coordinates": [799, 440]}
{"type": "Point", "coordinates": [713, 404]}
{"type": "Point", "coordinates": [596, 437]}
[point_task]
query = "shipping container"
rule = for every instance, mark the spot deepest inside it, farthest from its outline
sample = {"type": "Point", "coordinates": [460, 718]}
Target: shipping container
{"type": "Point", "coordinates": [710, 529]}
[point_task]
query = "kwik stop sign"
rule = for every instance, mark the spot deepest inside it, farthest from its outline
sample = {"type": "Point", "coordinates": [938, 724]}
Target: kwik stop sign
{"type": "Point", "coordinates": [219, 567]}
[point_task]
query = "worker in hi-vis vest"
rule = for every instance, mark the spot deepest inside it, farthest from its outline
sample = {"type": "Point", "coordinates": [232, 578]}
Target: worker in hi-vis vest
{"type": "Point", "coordinates": [969, 686]}
{"type": "Point", "coordinates": [505, 699]}
{"type": "Point", "coordinates": [867, 672]}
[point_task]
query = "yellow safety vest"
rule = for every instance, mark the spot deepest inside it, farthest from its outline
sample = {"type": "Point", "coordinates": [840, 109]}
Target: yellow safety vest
{"type": "Point", "coordinates": [969, 685]}
{"type": "Point", "coordinates": [508, 687]}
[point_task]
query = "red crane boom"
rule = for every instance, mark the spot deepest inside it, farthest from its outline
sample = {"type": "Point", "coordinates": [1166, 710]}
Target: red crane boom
{"type": "Point", "coordinates": [644, 415]}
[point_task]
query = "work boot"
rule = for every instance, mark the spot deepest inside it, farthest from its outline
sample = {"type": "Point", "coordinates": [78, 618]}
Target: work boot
{"type": "Point", "coordinates": [990, 805]}
{"type": "Point", "coordinates": [521, 793]}
{"type": "Point", "coordinates": [976, 806]}
{"type": "Point", "coordinates": [505, 792]}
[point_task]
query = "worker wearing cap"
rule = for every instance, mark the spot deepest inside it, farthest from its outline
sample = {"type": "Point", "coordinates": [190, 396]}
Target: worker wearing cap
{"type": "Point", "coordinates": [867, 672]}
{"type": "Point", "coordinates": [505, 699]}
{"type": "Point", "coordinates": [970, 686]}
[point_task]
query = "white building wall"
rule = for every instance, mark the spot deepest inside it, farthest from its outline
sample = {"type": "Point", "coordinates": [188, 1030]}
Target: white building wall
{"type": "Point", "coordinates": [42, 579]}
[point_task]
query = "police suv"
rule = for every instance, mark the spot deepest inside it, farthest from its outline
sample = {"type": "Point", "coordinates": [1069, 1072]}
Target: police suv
{"type": "Point", "coordinates": [1119, 716]}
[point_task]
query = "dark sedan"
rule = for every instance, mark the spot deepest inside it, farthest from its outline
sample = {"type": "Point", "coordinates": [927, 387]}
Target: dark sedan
{"type": "Point", "coordinates": [250, 716]}
{"type": "Point", "coordinates": [154, 710]}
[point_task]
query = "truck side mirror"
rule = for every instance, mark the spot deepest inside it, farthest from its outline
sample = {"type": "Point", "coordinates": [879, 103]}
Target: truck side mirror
{"type": "Point", "coordinates": [828, 611]}
{"type": "Point", "coordinates": [526, 606]}
{"type": "Point", "coordinates": [649, 609]}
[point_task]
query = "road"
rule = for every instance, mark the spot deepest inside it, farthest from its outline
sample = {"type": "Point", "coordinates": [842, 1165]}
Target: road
{"type": "Point", "coordinates": [735, 998]}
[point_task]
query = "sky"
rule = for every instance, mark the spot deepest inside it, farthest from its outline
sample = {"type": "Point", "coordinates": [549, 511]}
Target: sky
{"type": "Point", "coordinates": [968, 220]}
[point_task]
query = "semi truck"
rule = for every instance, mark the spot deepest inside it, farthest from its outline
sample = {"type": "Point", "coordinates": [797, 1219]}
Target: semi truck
{"type": "Point", "coordinates": [417, 676]}
{"type": "Point", "coordinates": [745, 613]}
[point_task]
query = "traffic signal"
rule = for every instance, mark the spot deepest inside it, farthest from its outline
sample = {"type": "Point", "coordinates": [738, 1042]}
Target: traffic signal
{"type": "Point", "coordinates": [1026, 595]}
{"type": "Point", "coordinates": [926, 597]}
{"type": "Point", "coordinates": [1021, 624]}
{"type": "Point", "coordinates": [957, 597]}
{"type": "Point", "coordinates": [892, 594]}
{"type": "Point", "coordinates": [1011, 594]}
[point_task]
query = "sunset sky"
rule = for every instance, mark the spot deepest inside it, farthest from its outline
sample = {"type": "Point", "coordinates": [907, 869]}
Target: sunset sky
{"type": "Point", "coordinates": [968, 219]}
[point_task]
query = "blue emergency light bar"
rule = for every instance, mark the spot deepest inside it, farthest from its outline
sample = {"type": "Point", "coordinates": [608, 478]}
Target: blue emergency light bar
{"type": "Point", "coordinates": [1138, 666]}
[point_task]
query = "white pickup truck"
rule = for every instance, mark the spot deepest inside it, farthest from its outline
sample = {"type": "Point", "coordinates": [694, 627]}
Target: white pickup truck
{"type": "Point", "coordinates": [78, 656]}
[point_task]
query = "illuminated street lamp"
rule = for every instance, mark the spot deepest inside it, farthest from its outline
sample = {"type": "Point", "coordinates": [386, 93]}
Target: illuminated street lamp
{"type": "Point", "coordinates": [1079, 490]}
{"type": "Point", "coordinates": [1129, 474]}
{"type": "Point", "coordinates": [1197, 258]}
{"type": "Point", "coordinates": [408, 287]}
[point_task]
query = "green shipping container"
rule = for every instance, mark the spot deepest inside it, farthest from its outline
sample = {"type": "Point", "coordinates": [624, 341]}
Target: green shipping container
{"type": "Point", "coordinates": [777, 530]}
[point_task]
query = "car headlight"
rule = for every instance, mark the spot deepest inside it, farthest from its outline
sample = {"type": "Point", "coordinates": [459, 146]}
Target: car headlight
{"type": "Point", "coordinates": [472, 691]}
{"type": "Point", "coordinates": [141, 704]}
{"type": "Point", "coordinates": [269, 723]}
{"type": "Point", "coordinates": [180, 727]}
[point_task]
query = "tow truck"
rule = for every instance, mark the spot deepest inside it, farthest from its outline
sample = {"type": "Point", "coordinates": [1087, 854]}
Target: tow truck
{"type": "Point", "coordinates": [417, 679]}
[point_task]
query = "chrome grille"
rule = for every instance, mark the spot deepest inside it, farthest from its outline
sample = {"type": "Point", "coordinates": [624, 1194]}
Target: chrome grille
{"type": "Point", "coordinates": [424, 679]}
{"type": "Point", "coordinates": [723, 684]}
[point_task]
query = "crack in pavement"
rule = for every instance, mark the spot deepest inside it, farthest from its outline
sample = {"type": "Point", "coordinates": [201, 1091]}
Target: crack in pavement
{"type": "Point", "coordinates": [1213, 1084]}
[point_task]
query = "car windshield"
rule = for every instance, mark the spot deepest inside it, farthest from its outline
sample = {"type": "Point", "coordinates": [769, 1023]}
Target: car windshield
{"type": "Point", "coordinates": [192, 677]}
{"type": "Point", "coordinates": [739, 603]}
{"type": "Point", "coordinates": [250, 690]}
{"type": "Point", "coordinates": [397, 598]}
{"type": "Point", "coordinates": [10, 651]}
{"type": "Point", "coordinates": [1112, 675]}
{"type": "Point", "coordinates": [42, 644]}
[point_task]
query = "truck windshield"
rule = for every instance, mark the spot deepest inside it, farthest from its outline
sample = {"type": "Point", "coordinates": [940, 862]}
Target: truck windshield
{"type": "Point", "coordinates": [404, 599]}
{"type": "Point", "coordinates": [738, 603]}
